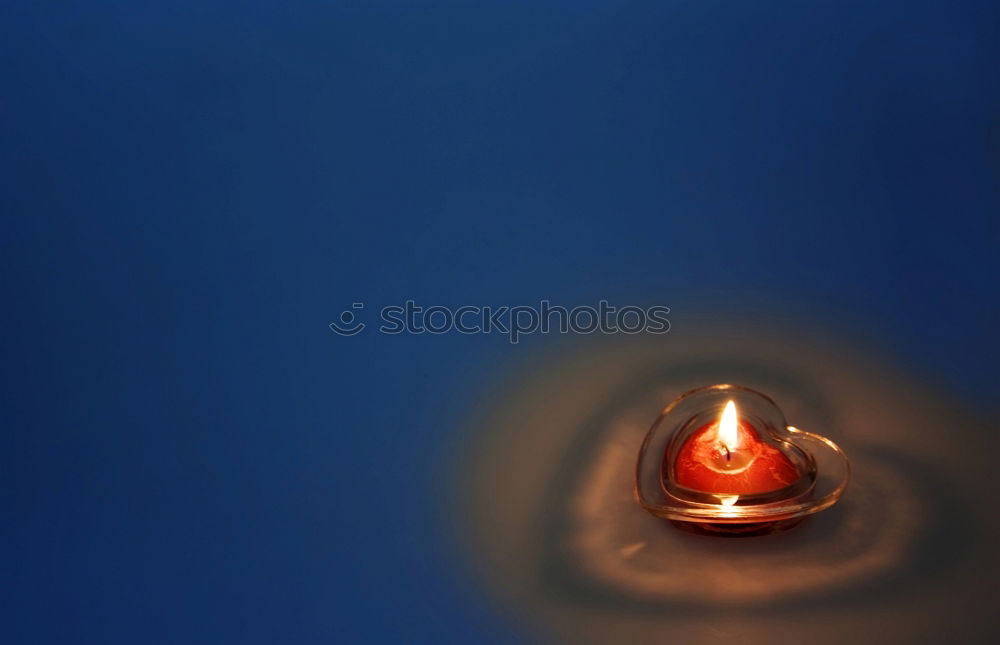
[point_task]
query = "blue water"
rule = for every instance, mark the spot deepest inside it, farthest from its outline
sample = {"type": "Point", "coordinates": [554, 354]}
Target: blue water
{"type": "Point", "coordinates": [192, 191]}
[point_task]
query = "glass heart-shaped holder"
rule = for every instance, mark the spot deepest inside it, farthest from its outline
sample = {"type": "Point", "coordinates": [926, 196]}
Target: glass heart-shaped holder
{"type": "Point", "coordinates": [722, 459]}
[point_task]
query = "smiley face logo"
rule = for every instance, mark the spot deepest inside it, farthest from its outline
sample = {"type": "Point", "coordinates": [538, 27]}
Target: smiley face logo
{"type": "Point", "coordinates": [348, 326]}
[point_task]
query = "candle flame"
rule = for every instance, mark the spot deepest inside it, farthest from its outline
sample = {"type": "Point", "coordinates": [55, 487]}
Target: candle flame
{"type": "Point", "coordinates": [726, 432]}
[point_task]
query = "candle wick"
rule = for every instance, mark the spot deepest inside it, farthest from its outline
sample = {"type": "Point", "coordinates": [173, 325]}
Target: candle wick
{"type": "Point", "coordinates": [726, 448]}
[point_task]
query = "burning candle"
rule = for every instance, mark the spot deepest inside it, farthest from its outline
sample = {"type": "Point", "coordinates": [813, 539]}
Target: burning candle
{"type": "Point", "coordinates": [722, 458]}
{"type": "Point", "coordinates": [728, 458]}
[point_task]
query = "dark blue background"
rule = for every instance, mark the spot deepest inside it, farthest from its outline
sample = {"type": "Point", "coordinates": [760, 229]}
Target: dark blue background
{"type": "Point", "coordinates": [192, 191]}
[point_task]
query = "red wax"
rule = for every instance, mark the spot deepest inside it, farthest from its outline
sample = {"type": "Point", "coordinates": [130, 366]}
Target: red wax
{"type": "Point", "coordinates": [705, 465]}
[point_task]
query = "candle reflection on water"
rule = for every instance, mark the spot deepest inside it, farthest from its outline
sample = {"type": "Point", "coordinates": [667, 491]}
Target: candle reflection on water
{"type": "Point", "coordinates": [564, 542]}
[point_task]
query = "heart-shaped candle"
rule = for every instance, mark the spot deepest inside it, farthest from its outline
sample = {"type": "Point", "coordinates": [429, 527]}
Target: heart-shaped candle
{"type": "Point", "coordinates": [723, 456]}
{"type": "Point", "coordinates": [730, 458]}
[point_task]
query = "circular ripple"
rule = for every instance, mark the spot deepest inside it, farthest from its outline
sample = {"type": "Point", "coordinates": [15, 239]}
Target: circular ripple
{"type": "Point", "coordinates": [545, 494]}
